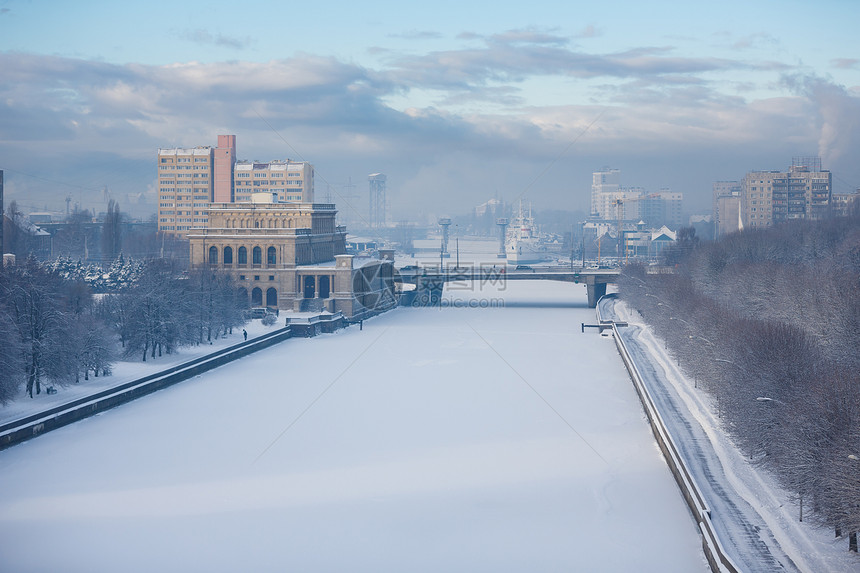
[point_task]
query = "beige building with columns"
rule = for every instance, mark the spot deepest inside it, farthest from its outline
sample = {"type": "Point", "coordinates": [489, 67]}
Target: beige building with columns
{"type": "Point", "coordinates": [290, 256]}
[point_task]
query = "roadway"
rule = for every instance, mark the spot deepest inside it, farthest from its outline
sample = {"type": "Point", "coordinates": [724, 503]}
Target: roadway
{"type": "Point", "coordinates": [743, 532]}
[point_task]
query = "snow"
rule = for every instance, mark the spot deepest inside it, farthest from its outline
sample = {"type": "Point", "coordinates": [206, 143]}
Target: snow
{"type": "Point", "coordinates": [760, 504]}
{"type": "Point", "coordinates": [465, 438]}
{"type": "Point", "coordinates": [128, 370]}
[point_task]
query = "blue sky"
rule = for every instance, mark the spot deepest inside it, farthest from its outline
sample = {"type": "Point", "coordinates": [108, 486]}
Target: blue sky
{"type": "Point", "coordinates": [454, 101]}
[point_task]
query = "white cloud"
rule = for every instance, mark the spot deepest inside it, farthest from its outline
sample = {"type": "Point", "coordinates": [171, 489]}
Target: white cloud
{"type": "Point", "coordinates": [59, 113]}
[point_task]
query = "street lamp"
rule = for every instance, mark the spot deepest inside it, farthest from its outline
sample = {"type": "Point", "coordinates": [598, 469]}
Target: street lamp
{"type": "Point", "coordinates": [457, 230]}
{"type": "Point", "coordinates": [780, 402]}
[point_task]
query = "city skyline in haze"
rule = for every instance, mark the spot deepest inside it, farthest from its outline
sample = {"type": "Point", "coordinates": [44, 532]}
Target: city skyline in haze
{"type": "Point", "coordinates": [454, 102]}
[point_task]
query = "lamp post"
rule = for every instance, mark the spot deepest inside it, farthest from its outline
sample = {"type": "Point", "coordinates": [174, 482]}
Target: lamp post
{"type": "Point", "coordinates": [457, 231]}
{"type": "Point", "coordinates": [781, 403]}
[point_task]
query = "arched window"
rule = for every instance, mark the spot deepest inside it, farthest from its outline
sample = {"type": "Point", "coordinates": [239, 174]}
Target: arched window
{"type": "Point", "coordinates": [243, 256]}
{"type": "Point", "coordinates": [228, 255]}
{"type": "Point", "coordinates": [257, 297]}
{"type": "Point", "coordinates": [271, 257]}
{"type": "Point", "coordinates": [213, 255]}
{"type": "Point", "coordinates": [258, 256]}
{"type": "Point", "coordinates": [272, 298]}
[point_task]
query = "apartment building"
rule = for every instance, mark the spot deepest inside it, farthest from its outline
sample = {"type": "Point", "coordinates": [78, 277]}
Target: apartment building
{"type": "Point", "coordinates": [726, 207]}
{"type": "Point", "coordinates": [291, 181]}
{"type": "Point", "coordinates": [769, 197]}
{"type": "Point", "coordinates": [189, 179]}
{"type": "Point", "coordinates": [185, 186]}
{"type": "Point", "coordinates": [611, 201]}
{"type": "Point", "coordinates": [604, 184]}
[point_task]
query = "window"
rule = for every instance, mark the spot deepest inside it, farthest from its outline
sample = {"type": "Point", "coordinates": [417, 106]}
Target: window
{"type": "Point", "coordinates": [257, 256]}
{"type": "Point", "coordinates": [228, 255]}
{"type": "Point", "coordinates": [213, 255]}
{"type": "Point", "coordinates": [243, 256]}
{"type": "Point", "coordinates": [271, 256]}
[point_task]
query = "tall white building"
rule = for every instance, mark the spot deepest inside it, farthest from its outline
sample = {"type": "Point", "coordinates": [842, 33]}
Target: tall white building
{"type": "Point", "coordinates": [603, 183]}
{"type": "Point", "coordinates": [611, 201]}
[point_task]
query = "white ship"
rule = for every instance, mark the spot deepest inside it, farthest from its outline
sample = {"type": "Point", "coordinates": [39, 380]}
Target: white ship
{"type": "Point", "coordinates": [522, 244]}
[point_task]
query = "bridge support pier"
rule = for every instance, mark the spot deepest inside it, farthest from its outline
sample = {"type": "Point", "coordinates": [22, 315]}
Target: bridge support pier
{"type": "Point", "coordinates": [595, 291]}
{"type": "Point", "coordinates": [429, 292]}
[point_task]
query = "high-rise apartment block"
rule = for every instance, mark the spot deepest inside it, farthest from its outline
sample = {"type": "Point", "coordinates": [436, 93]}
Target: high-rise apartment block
{"type": "Point", "coordinates": [290, 181]}
{"type": "Point", "coordinates": [658, 209]}
{"type": "Point", "coordinates": [604, 183]}
{"type": "Point", "coordinates": [184, 188]}
{"type": "Point", "coordinates": [611, 201]}
{"type": "Point", "coordinates": [726, 207]}
{"type": "Point", "coordinates": [769, 197]}
{"type": "Point", "coordinates": [842, 203]}
{"type": "Point", "coordinates": [189, 179]}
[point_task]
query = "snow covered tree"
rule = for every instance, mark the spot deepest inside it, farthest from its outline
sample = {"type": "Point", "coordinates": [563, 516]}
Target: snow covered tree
{"type": "Point", "coordinates": [158, 311]}
{"type": "Point", "coordinates": [11, 355]}
{"type": "Point", "coordinates": [768, 322]}
{"type": "Point", "coordinates": [34, 297]}
{"type": "Point", "coordinates": [213, 306]}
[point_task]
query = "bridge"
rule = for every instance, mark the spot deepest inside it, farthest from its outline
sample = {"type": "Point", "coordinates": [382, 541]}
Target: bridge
{"type": "Point", "coordinates": [430, 281]}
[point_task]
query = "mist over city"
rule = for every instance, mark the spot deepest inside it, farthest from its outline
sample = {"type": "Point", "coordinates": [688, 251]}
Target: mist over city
{"type": "Point", "coordinates": [456, 104]}
{"type": "Point", "coordinates": [461, 286]}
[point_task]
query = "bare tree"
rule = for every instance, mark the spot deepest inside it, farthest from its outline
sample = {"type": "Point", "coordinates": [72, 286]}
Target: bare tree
{"type": "Point", "coordinates": [768, 322]}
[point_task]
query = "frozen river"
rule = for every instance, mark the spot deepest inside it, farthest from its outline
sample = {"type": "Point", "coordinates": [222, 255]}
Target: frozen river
{"type": "Point", "coordinates": [457, 439]}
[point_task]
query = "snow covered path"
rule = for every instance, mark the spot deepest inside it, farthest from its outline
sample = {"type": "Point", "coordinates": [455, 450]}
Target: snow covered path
{"type": "Point", "coordinates": [756, 523]}
{"type": "Point", "coordinates": [454, 439]}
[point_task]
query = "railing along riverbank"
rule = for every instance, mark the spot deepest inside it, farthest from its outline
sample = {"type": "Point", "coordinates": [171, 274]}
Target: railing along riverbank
{"type": "Point", "coordinates": [717, 558]}
{"type": "Point", "coordinates": [22, 429]}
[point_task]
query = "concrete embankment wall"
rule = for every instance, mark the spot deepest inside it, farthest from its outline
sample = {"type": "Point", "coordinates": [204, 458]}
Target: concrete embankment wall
{"type": "Point", "coordinates": [23, 429]}
{"type": "Point", "coordinates": [717, 558]}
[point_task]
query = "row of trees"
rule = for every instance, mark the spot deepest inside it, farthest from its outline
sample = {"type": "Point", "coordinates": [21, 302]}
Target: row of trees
{"type": "Point", "coordinates": [767, 322]}
{"type": "Point", "coordinates": [53, 329]}
{"type": "Point", "coordinates": [79, 238]}
{"type": "Point", "coordinates": [164, 310]}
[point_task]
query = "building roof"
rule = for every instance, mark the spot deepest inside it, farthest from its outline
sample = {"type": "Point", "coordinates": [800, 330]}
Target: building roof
{"type": "Point", "coordinates": [204, 150]}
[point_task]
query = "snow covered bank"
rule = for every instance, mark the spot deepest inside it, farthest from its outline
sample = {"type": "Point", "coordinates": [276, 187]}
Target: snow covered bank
{"type": "Point", "coordinates": [750, 507]}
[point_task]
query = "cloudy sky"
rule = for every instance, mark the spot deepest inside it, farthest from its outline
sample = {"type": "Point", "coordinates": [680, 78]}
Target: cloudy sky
{"type": "Point", "coordinates": [455, 101]}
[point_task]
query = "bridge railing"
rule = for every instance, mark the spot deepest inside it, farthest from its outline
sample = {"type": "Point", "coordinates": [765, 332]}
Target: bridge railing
{"type": "Point", "coordinates": [718, 559]}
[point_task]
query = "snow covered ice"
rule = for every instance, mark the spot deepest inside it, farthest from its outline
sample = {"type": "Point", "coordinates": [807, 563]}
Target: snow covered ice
{"type": "Point", "coordinates": [453, 439]}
